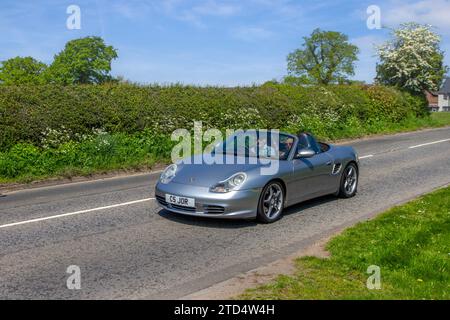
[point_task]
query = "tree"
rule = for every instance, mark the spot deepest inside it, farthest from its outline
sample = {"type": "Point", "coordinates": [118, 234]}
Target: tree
{"type": "Point", "coordinates": [21, 70]}
{"type": "Point", "coordinates": [85, 60]}
{"type": "Point", "coordinates": [412, 59]}
{"type": "Point", "coordinates": [297, 81]}
{"type": "Point", "coordinates": [325, 57]}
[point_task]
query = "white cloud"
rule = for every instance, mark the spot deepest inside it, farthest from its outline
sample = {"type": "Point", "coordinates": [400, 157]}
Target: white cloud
{"type": "Point", "coordinates": [195, 14]}
{"type": "Point", "coordinates": [191, 12]}
{"type": "Point", "coordinates": [287, 8]}
{"type": "Point", "coordinates": [434, 12]}
{"type": "Point", "coordinates": [251, 33]}
{"type": "Point", "coordinates": [126, 10]}
{"type": "Point", "coordinates": [213, 8]}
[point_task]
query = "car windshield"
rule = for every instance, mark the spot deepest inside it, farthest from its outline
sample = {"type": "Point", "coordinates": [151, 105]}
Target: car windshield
{"type": "Point", "coordinates": [252, 143]}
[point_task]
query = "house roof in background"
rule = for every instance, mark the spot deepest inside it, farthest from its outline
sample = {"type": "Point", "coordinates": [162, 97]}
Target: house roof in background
{"type": "Point", "coordinates": [445, 87]}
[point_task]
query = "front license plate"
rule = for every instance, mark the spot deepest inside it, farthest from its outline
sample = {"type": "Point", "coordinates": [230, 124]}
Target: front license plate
{"type": "Point", "coordinates": [180, 201]}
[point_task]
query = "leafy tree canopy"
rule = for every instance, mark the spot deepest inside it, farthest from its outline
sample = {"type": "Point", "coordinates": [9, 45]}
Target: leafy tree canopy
{"type": "Point", "coordinates": [412, 59]}
{"type": "Point", "coordinates": [325, 57]}
{"type": "Point", "coordinates": [85, 60]}
{"type": "Point", "coordinates": [21, 70]}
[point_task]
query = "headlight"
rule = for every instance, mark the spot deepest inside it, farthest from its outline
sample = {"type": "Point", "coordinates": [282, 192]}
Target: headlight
{"type": "Point", "coordinates": [230, 184]}
{"type": "Point", "coordinates": [168, 174]}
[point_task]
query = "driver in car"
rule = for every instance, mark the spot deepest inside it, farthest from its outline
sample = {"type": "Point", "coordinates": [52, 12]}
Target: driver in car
{"type": "Point", "coordinates": [264, 149]}
{"type": "Point", "coordinates": [285, 147]}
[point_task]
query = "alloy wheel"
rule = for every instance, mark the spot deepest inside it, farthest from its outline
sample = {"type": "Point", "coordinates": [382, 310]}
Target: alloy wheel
{"type": "Point", "coordinates": [350, 180]}
{"type": "Point", "coordinates": [273, 201]}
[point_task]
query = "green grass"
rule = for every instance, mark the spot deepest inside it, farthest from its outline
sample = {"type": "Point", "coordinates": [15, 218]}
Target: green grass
{"type": "Point", "coordinates": [97, 154]}
{"type": "Point", "coordinates": [410, 244]}
{"type": "Point", "coordinates": [356, 130]}
{"type": "Point", "coordinates": [104, 152]}
{"type": "Point", "coordinates": [441, 118]}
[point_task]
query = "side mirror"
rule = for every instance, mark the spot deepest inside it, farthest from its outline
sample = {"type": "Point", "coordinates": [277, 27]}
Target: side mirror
{"type": "Point", "coordinates": [305, 153]}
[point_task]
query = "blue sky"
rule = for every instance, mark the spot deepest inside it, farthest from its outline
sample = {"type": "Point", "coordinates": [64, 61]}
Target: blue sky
{"type": "Point", "coordinates": [216, 42]}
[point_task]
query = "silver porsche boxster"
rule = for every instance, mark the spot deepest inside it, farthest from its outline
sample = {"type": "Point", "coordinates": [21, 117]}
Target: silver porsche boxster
{"type": "Point", "coordinates": [260, 179]}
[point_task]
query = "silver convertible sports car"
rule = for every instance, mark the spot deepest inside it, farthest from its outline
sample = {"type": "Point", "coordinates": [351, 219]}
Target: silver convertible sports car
{"type": "Point", "coordinates": [257, 177]}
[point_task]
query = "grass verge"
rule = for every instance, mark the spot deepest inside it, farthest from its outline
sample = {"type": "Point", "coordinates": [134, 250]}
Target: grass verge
{"type": "Point", "coordinates": [410, 244]}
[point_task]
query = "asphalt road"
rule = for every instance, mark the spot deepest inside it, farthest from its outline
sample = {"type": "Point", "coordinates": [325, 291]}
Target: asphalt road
{"type": "Point", "coordinates": [126, 247]}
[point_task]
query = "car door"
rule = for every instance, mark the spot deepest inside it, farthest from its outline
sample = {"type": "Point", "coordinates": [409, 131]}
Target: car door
{"type": "Point", "coordinates": [311, 177]}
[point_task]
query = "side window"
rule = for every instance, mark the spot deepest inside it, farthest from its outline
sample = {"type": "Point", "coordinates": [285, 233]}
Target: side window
{"type": "Point", "coordinates": [305, 140]}
{"type": "Point", "coordinates": [302, 142]}
{"type": "Point", "coordinates": [313, 144]}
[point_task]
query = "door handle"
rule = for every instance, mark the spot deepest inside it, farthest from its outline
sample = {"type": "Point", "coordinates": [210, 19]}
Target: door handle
{"type": "Point", "coordinates": [329, 163]}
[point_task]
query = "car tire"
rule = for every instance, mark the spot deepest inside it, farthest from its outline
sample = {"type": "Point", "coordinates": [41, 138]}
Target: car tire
{"type": "Point", "coordinates": [271, 202]}
{"type": "Point", "coordinates": [349, 181]}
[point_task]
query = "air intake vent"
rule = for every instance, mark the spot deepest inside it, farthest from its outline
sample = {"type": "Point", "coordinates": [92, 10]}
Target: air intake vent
{"type": "Point", "coordinates": [214, 209]}
{"type": "Point", "coordinates": [187, 209]}
{"type": "Point", "coordinates": [337, 168]}
{"type": "Point", "coordinates": [161, 200]}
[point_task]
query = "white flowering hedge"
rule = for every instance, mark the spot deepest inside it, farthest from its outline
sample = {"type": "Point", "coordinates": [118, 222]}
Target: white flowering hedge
{"type": "Point", "coordinates": [412, 59]}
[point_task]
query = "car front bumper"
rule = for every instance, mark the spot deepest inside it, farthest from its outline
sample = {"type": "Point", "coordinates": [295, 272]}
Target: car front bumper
{"type": "Point", "coordinates": [240, 204]}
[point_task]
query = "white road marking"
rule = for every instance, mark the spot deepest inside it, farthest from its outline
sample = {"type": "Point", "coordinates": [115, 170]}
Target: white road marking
{"type": "Point", "coordinates": [57, 185]}
{"type": "Point", "coordinates": [74, 213]}
{"type": "Point", "coordinates": [427, 144]}
{"type": "Point", "coordinates": [368, 156]}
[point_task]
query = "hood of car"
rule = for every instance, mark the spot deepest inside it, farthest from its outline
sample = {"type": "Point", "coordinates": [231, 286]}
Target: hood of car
{"type": "Point", "coordinates": [207, 175]}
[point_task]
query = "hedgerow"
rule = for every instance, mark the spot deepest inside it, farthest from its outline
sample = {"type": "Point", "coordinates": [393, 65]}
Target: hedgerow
{"type": "Point", "coordinates": [78, 130]}
{"type": "Point", "coordinates": [27, 113]}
